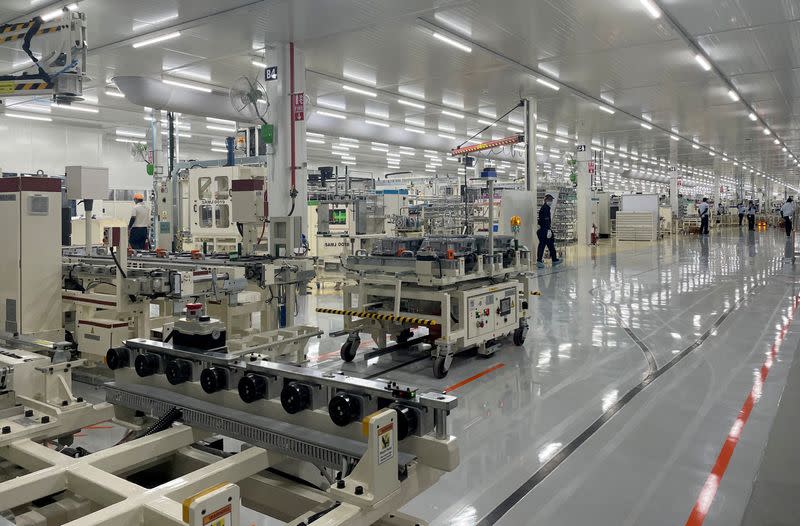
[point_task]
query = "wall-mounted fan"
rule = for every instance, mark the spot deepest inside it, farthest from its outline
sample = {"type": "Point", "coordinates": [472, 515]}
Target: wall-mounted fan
{"type": "Point", "coordinates": [249, 98]}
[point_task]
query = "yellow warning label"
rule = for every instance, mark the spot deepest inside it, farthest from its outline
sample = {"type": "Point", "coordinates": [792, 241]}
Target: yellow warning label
{"type": "Point", "coordinates": [385, 443]}
{"type": "Point", "coordinates": [6, 87]}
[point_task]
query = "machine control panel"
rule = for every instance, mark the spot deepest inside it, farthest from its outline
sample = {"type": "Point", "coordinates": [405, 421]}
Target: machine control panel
{"type": "Point", "coordinates": [492, 311]}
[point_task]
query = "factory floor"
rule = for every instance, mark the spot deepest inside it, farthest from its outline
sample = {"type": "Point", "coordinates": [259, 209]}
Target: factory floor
{"type": "Point", "coordinates": [645, 393]}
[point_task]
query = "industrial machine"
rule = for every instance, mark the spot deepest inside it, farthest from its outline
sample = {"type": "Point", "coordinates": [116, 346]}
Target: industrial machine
{"type": "Point", "coordinates": [344, 225]}
{"type": "Point", "coordinates": [109, 295]}
{"type": "Point", "coordinates": [60, 69]}
{"type": "Point", "coordinates": [322, 446]}
{"type": "Point", "coordinates": [469, 291]}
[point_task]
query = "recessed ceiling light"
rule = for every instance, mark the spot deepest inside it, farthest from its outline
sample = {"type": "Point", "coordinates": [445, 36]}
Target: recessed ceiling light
{"type": "Point", "coordinates": [733, 95]}
{"type": "Point", "coordinates": [112, 93]}
{"type": "Point", "coordinates": [703, 61]}
{"type": "Point", "coordinates": [752, 117]}
{"type": "Point", "coordinates": [652, 8]}
{"type": "Point", "coordinates": [232, 123]}
{"type": "Point", "coordinates": [415, 130]}
{"type": "Point", "coordinates": [452, 114]}
{"type": "Point", "coordinates": [548, 84]}
{"type": "Point", "coordinates": [156, 40]}
{"type": "Point", "coordinates": [411, 104]}
{"type": "Point", "coordinates": [220, 128]}
{"type": "Point", "coordinates": [28, 117]}
{"type": "Point", "coordinates": [674, 137]}
{"type": "Point", "coordinates": [562, 141]}
{"type": "Point", "coordinates": [487, 123]}
{"type": "Point", "coordinates": [776, 141]}
{"type": "Point", "coordinates": [194, 87]}
{"type": "Point", "coordinates": [360, 91]}
{"type": "Point", "coordinates": [456, 44]}
{"type": "Point", "coordinates": [767, 131]}
{"type": "Point", "coordinates": [645, 126]}
{"type": "Point", "coordinates": [606, 109]}
{"type": "Point", "coordinates": [376, 123]}
{"type": "Point", "coordinates": [315, 141]}
{"type": "Point", "coordinates": [52, 15]}
{"type": "Point", "coordinates": [332, 115]}
{"type": "Point", "coordinates": [445, 136]}
{"type": "Point", "coordinates": [514, 129]}
{"type": "Point", "coordinates": [258, 64]}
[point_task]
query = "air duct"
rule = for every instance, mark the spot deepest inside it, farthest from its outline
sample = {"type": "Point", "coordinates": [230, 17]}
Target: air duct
{"type": "Point", "coordinates": [155, 94]}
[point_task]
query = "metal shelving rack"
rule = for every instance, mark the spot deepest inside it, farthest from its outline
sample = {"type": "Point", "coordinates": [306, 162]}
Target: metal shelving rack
{"type": "Point", "coordinates": [565, 215]}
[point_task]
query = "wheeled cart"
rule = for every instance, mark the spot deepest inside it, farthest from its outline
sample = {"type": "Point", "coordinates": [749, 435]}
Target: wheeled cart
{"type": "Point", "coordinates": [465, 302]}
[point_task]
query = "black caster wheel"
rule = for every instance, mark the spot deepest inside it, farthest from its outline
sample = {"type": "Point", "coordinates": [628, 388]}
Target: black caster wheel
{"type": "Point", "coordinates": [519, 337]}
{"type": "Point", "coordinates": [404, 336]}
{"type": "Point", "coordinates": [349, 349]}
{"type": "Point", "coordinates": [439, 369]}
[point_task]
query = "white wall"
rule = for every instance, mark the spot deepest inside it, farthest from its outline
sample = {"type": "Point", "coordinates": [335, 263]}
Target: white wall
{"type": "Point", "coordinates": [28, 146]}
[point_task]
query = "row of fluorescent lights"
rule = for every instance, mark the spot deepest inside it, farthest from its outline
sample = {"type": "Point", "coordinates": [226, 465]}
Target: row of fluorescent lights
{"type": "Point", "coordinates": [704, 63]}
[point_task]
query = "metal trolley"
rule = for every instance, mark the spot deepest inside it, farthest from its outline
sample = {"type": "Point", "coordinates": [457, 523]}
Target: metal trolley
{"type": "Point", "coordinates": [468, 292]}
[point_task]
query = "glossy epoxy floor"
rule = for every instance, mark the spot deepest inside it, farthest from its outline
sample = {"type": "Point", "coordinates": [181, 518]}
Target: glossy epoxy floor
{"type": "Point", "coordinates": [633, 377]}
{"type": "Point", "coordinates": [639, 362]}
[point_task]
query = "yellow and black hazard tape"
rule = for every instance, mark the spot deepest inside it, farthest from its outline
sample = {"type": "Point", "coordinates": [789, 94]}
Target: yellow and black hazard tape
{"type": "Point", "coordinates": [378, 316]}
{"type": "Point", "coordinates": [31, 86]}
{"type": "Point", "coordinates": [15, 27]}
{"type": "Point", "coordinates": [14, 38]}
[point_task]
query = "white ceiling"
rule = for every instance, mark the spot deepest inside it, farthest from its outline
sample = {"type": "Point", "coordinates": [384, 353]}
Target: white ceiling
{"type": "Point", "coordinates": [609, 50]}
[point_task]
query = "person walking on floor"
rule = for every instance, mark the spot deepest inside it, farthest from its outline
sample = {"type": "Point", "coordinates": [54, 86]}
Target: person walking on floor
{"type": "Point", "coordinates": [787, 212]}
{"type": "Point", "coordinates": [545, 233]}
{"type": "Point", "coordinates": [703, 210]}
{"type": "Point", "coordinates": [751, 215]}
{"type": "Point", "coordinates": [742, 210]}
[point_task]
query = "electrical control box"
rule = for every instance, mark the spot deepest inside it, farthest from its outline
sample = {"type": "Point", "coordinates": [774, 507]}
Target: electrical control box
{"type": "Point", "coordinates": [30, 289]}
{"type": "Point", "coordinates": [248, 200]}
{"type": "Point", "coordinates": [493, 311]}
{"type": "Point", "coordinates": [84, 182]}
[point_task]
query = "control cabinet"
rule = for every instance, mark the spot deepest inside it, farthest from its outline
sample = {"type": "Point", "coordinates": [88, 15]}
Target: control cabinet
{"type": "Point", "coordinates": [492, 311]}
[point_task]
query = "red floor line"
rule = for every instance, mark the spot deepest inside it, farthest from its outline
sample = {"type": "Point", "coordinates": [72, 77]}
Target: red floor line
{"type": "Point", "coordinates": [709, 490]}
{"type": "Point", "coordinates": [471, 379]}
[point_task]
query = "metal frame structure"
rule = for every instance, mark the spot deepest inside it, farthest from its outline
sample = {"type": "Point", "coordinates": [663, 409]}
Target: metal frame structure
{"type": "Point", "coordinates": [61, 73]}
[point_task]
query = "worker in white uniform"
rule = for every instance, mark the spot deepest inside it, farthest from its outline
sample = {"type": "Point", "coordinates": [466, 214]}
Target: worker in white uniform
{"type": "Point", "coordinates": [702, 209]}
{"type": "Point", "coordinates": [139, 223]}
{"type": "Point", "coordinates": [787, 212]}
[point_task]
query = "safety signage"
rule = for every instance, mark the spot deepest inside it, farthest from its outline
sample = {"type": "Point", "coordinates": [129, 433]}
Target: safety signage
{"type": "Point", "coordinates": [7, 86]}
{"type": "Point", "coordinates": [385, 443]}
{"type": "Point", "coordinates": [581, 148]}
{"type": "Point", "coordinates": [220, 517]}
{"type": "Point", "coordinates": [298, 106]}
{"type": "Point", "coordinates": [271, 73]}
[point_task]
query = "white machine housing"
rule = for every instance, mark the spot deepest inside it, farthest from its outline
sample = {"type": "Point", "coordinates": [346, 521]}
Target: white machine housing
{"type": "Point", "coordinates": [30, 291]}
{"type": "Point", "coordinates": [210, 216]}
